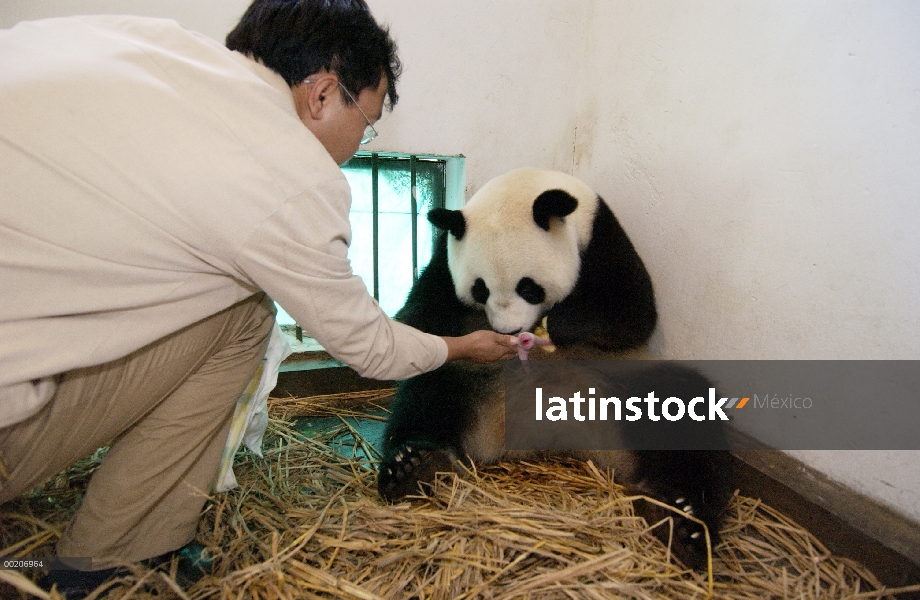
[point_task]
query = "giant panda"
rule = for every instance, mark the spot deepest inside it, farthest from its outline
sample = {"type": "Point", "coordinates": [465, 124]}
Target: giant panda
{"type": "Point", "coordinates": [537, 246]}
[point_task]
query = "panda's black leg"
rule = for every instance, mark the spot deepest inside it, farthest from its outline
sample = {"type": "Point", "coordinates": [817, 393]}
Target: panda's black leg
{"type": "Point", "coordinates": [429, 418]}
{"type": "Point", "coordinates": [412, 468]}
{"type": "Point", "coordinates": [696, 484]}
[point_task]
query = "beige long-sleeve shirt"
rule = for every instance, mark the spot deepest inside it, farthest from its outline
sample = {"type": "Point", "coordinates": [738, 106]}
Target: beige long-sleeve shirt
{"type": "Point", "coordinates": [150, 178]}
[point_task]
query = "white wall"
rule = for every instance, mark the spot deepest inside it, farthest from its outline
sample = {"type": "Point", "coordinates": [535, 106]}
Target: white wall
{"type": "Point", "coordinates": [493, 81]}
{"type": "Point", "coordinates": [768, 157]}
{"type": "Point", "coordinates": [763, 156]}
{"type": "Point", "coordinates": [214, 18]}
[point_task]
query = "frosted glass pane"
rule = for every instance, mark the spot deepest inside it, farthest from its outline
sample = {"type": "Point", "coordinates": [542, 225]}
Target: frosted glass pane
{"type": "Point", "coordinates": [396, 260]}
{"type": "Point", "coordinates": [361, 251]}
{"type": "Point", "coordinates": [359, 179]}
{"type": "Point", "coordinates": [394, 187]}
{"type": "Point", "coordinates": [282, 317]}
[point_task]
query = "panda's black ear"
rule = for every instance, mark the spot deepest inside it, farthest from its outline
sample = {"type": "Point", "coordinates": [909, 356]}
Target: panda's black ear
{"type": "Point", "coordinates": [552, 203]}
{"type": "Point", "coordinates": [448, 220]}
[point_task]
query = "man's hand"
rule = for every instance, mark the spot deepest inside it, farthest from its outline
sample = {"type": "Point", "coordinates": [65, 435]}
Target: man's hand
{"type": "Point", "coordinates": [481, 347]}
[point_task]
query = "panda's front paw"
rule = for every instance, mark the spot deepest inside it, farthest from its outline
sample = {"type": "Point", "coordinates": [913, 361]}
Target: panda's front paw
{"type": "Point", "coordinates": [412, 469]}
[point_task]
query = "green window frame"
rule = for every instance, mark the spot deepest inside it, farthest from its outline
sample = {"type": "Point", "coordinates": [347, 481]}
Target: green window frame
{"type": "Point", "coordinates": [391, 237]}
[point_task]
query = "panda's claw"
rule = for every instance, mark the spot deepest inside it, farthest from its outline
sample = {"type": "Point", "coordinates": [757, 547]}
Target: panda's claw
{"type": "Point", "coordinates": [412, 469]}
{"type": "Point", "coordinates": [685, 534]}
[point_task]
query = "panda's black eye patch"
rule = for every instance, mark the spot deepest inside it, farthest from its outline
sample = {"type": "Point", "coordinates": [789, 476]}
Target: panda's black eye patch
{"type": "Point", "coordinates": [530, 291]}
{"type": "Point", "coordinates": [479, 291]}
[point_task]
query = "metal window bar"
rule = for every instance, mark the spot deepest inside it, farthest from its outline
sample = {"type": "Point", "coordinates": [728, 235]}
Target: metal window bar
{"type": "Point", "coordinates": [414, 202]}
{"type": "Point", "coordinates": [375, 201]}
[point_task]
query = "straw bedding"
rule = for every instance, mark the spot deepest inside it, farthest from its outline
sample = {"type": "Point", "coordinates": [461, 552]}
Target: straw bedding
{"type": "Point", "coordinates": [307, 523]}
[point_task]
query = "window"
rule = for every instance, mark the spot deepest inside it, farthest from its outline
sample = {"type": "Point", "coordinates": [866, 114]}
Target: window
{"type": "Point", "coordinates": [391, 237]}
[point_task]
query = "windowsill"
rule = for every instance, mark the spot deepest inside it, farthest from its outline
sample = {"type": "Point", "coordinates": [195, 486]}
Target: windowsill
{"type": "Point", "coordinates": [311, 371]}
{"type": "Point", "coordinates": [306, 355]}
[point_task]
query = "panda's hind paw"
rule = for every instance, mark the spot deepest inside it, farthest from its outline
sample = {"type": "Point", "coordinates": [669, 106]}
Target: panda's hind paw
{"type": "Point", "coordinates": [412, 469]}
{"type": "Point", "coordinates": [688, 543]}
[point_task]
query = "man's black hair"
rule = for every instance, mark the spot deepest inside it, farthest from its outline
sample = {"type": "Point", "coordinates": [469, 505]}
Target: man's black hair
{"type": "Point", "coordinates": [297, 38]}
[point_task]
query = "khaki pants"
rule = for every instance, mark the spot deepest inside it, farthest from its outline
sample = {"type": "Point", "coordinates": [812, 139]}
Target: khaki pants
{"type": "Point", "coordinates": [166, 410]}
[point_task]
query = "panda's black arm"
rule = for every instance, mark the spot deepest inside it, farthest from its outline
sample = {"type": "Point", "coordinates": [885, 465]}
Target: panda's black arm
{"type": "Point", "coordinates": [612, 306]}
{"type": "Point", "coordinates": [432, 304]}
{"type": "Point", "coordinates": [436, 409]}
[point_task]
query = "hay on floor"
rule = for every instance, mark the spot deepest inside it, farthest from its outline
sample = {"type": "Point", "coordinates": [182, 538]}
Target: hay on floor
{"type": "Point", "coordinates": [307, 522]}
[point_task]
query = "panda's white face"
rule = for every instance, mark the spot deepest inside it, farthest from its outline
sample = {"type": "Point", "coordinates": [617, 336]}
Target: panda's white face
{"type": "Point", "coordinates": [508, 265]}
{"type": "Point", "coordinates": [513, 289]}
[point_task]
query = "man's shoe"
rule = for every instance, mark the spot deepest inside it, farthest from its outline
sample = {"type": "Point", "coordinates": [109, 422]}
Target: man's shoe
{"type": "Point", "coordinates": [193, 563]}
{"type": "Point", "coordinates": [76, 585]}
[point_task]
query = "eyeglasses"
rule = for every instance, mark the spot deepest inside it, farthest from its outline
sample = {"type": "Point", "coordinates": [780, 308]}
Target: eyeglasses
{"type": "Point", "coordinates": [369, 132]}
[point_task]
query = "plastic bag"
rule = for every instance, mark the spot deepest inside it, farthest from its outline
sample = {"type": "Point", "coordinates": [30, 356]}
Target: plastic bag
{"type": "Point", "coordinates": [250, 418]}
